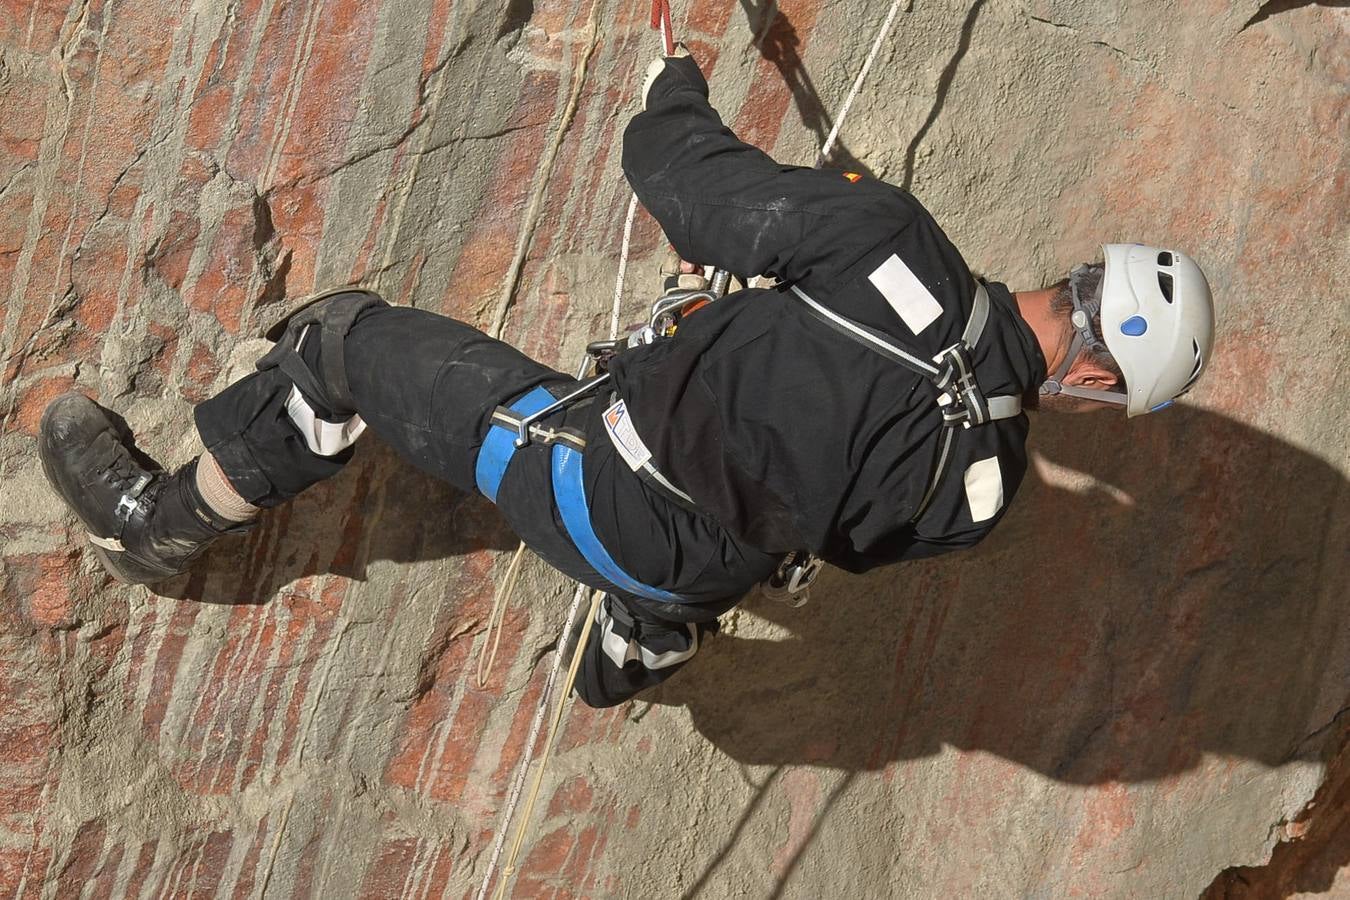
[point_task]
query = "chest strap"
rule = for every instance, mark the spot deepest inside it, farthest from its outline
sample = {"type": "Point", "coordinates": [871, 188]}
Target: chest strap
{"type": "Point", "coordinates": [952, 372]}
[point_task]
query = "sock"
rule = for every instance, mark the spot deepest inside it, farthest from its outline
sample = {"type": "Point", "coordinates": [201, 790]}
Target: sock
{"type": "Point", "coordinates": [219, 494]}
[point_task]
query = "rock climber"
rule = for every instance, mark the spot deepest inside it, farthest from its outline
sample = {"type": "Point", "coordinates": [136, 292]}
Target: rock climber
{"type": "Point", "coordinates": [869, 409]}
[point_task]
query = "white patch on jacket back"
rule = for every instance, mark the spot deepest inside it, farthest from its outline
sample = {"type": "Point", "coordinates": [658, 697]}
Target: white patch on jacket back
{"type": "Point", "coordinates": [906, 294]}
{"type": "Point", "coordinates": [984, 489]}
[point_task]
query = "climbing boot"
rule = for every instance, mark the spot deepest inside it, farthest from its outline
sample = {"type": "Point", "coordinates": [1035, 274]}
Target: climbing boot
{"type": "Point", "coordinates": [145, 525]}
{"type": "Point", "coordinates": [627, 654]}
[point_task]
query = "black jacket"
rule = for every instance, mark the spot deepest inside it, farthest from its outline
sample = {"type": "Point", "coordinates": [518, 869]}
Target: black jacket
{"type": "Point", "coordinates": [789, 434]}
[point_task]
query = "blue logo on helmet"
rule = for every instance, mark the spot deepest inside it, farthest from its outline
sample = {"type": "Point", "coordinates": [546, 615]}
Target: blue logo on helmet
{"type": "Point", "coordinates": [1134, 326]}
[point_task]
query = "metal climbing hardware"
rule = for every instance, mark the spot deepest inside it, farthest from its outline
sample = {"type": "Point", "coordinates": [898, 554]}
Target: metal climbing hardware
{"type": "Point", "coordinates": [791, 583]}
{"type": "Point", "coordinates": [505, 417]}
{"type": "Point", "coordinates": [664, 320]}
{"type": "Point", "coordinates": [526, 425]}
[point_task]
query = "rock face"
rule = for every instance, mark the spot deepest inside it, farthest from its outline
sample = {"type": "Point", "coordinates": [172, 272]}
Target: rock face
{"type": "Point", "coordinates": [1136, 684]}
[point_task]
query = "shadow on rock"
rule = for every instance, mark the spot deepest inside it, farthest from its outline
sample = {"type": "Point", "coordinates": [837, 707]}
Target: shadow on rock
{"type": "Point", "coordinates": [1187, 595]}
{"type": "Point", "coordinates": [778, 43]}
{"type": "Point", "coordinates": [378, 508]}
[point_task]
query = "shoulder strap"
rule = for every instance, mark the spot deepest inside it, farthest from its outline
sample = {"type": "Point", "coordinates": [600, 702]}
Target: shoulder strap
{"type": "Point", "coordinates": [953, 375]}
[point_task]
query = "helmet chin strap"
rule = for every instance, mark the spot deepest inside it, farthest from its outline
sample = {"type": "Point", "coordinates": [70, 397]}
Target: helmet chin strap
{"type": "Point", "coordinates": [1083, 336]}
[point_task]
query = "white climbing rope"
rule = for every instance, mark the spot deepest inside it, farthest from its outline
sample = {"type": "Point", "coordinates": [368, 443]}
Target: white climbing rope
{"type": "Point", "coordinates": [623, 266]}
{"type": "Point", "coordinates": [509, 867]}
{"type": "Point", "coordinates": [492, 634]}
{"type": "Point", "coordinates": [518, 781]}
{"type": "Point", "coordinates": [828, 146]}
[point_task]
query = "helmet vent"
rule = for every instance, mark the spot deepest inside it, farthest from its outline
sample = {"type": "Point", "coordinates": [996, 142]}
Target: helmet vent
{"type": "Point", "coordinates": [1165, 285]}
{"type": "Point", "coordinates": [1199, 363]}
{"type": "Point", "coordinates": [1165, 259]}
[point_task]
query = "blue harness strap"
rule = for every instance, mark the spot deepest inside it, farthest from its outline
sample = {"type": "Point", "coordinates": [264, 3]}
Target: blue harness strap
{"type": "Point", "coordinates": [500, 445]}
{"type": "Point", "coordinates": [569, 494]}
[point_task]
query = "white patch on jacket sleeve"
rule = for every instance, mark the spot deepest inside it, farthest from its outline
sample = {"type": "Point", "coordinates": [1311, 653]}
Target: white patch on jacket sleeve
{"type": "Point", "coordinates": [984, 489]}
{"type": "Point", "coordinates": [906, 294]}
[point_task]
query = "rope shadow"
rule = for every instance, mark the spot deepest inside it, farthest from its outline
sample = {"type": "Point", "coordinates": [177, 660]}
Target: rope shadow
{"type": "Point", "coordinates": [944, 86]}
{"type": "Point", "coordinates": [777, 40]}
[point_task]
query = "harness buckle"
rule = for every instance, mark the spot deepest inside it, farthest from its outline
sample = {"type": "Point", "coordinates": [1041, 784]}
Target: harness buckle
{"type": "Point", "coordinates": [525, 426]}
{"type": "Point", "coordinates": [129, 503]}
{"type": "Point", "coordinates": [791, 583]}
{"type": "Point", "coordinates": [961, 400]}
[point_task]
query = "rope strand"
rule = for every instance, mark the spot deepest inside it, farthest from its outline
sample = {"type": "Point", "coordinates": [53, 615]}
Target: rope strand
{"type": "Point", "coordinates": [509, 868]}
{"type": "Point", "coordinates": [492, 635]}
{"type": "Point", "coordinates": [522, 770]}
{"type": "Point", "coordinates": [828, 146]}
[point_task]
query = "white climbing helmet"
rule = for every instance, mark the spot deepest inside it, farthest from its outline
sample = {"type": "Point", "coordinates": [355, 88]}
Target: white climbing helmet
{"type": "Point", "coordinates": [1157, 321]}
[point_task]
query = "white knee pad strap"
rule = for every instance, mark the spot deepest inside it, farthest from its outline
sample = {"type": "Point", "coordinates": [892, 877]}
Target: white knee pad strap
{"type": "Point", "coordinates": [323, 438]}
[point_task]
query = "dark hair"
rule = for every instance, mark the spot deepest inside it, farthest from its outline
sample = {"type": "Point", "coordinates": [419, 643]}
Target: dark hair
{"type": "Point", "coordinates": [1089, 292]}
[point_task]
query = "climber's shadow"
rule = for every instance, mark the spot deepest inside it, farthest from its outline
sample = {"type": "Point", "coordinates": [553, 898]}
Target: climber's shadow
{"type": "Point", "coordinates": [1190, 597]}
{"type": "Point", "coordinates": [378, 508]}
{"type": "Point", "coordinates": [778, 42]}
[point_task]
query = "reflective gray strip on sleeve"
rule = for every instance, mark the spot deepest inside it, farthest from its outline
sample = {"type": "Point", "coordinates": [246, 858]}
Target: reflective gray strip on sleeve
{"type": "Point", "coordinates": [1005, 407]}
{"type": "Point", "coordinates": [660, 479]}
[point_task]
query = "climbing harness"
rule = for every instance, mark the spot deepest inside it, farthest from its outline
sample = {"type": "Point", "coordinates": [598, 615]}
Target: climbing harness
{"type": "Point", "coordinates": [569, 492]}
{"type": "Point", "coordinates": [951, 371]}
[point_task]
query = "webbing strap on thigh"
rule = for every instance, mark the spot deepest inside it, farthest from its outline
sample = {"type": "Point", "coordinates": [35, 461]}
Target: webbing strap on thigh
{"type": "Point", "coordinates": [569, 494]}
{"type": "Point", "coordinates": [500, 444]}
{"type": "Point", "coordinates": [333, 313]}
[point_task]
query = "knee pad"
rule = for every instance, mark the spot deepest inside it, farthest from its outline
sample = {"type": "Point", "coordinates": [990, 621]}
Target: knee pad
{"type": "Point", "coordinates": [321, 404]}
{"type": "Point", "coordinates": [627, 655]}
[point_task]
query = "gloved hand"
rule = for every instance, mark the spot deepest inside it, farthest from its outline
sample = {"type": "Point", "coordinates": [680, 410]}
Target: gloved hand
{"type": "Point", "coordinates": [658, 66]}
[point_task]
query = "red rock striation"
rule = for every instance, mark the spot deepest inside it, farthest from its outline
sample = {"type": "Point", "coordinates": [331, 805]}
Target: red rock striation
{"type": "Point", "coordinates": [1126, 691]}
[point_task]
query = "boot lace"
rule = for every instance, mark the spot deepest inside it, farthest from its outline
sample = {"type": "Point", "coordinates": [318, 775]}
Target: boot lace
{"type": "Point", "coordinates": [140, 488]}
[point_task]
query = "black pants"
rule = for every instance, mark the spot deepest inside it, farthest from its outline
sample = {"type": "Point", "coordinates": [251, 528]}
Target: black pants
{"type": "Point", "coordinates": [427, 385]}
